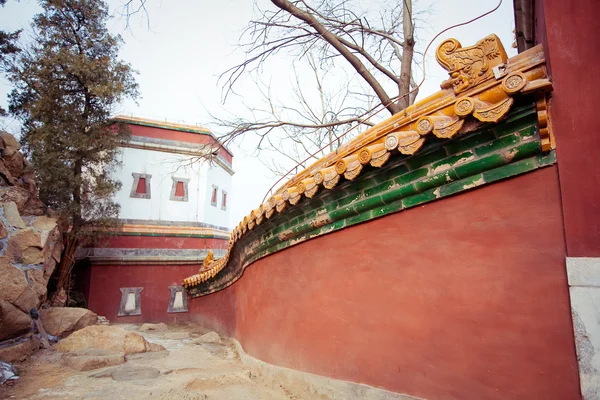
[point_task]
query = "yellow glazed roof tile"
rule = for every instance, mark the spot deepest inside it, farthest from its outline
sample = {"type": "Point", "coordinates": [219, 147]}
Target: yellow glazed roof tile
{"type": "Point", "coordinates": [481, 87]}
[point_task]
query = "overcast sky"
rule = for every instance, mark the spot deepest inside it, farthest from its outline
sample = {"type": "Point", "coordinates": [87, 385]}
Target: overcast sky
{"type": "Point", "coordinates": [183, 47]}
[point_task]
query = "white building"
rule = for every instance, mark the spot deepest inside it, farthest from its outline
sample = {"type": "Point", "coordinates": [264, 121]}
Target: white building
{"type": "Point", "coordinates": [163, 180]}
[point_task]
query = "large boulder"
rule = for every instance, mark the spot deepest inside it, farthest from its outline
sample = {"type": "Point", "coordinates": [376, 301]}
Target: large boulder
{"type": "Point", "coordinates": [110, 338]}
{"type": "Point", "coordinates": [12, 216]}
{"type": "Point", "coordinates": [38, 283]}
{"type": "Point", "coordinates": [33, 206]}
{"type": "Point", "coordinates": [20, 351]}
{"type": "Point", "coordinates": [13, 321]}
{"type": "Point", "coordinates": [13, 281]}
{"type": "Point", "coordinates": [15, 194]}
{"type": "Point", "coordinates": [9, 143]}
{"type": "Point", "coordinates": [63, 321]}
{"type": "Point", "coordinates": [15, 164]}
{"type": "Point", "coordinates": [88, 360]}
{"type": "Point", "coordinates": [210, 337]}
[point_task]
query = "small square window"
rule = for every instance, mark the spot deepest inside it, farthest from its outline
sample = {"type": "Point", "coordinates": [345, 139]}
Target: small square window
{"type": "Point", "coordinates": [179, 190]}
{"type": "Point", "coordinates": [213, 198]}
{"type": "Point", "coordinates": [178, 301]}
{"type": "Point", "coordinates": [130, 301]}
{"type": "Point", "coordinates": [224, 200]}
{"type": "Point", "coordinates": [141, 186]}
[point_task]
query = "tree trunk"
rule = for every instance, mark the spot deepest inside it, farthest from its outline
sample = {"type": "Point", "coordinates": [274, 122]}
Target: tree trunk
{"type": "Point", "coordinates": [408, 48]}
{"type": "Point", "coordinates": [72, 239]}
{"type": "Point", "coordinates": [67, 260]}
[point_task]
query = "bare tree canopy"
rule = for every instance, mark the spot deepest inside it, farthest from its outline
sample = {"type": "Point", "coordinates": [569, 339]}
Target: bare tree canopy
{"type": "Point", "coordinates": [375, 42]}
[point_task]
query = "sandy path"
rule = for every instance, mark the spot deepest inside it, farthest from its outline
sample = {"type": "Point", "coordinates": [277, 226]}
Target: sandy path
{"type": "Point", "coordinates": [187, 371]}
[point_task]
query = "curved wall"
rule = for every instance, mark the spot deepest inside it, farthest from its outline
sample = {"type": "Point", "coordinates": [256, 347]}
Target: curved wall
{"type": "Point", "coordinates": [462, 298]}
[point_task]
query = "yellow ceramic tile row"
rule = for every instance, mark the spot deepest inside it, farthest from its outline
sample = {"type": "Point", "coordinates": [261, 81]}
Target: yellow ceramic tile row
{"type": "Point", "coordinates": [481, 89]}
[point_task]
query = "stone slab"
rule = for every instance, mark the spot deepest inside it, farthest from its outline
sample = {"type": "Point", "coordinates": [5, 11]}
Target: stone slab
{"type": "Point", "coordinates": [583, 271]}
{"type": "Point", "coordinates": [585, 307]}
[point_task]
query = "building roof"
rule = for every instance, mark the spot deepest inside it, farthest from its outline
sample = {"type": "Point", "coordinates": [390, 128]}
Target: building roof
{"type": "Point", "coordinates": [194, 129]}
{"type": "Point", "coordinates": [164, 125]}
{"type": "Point", "coordinates": [482, 87]}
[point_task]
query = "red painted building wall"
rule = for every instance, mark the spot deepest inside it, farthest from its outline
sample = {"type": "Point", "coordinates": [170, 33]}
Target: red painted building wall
{"type": "Point", "coordinates": [463, 298]}
{"type": "Point", "coordinates": [105, 294]}
{"type": "Point", "coordinates": [571, 42]}
{"type": "Point", "coordinates": [101, 283]}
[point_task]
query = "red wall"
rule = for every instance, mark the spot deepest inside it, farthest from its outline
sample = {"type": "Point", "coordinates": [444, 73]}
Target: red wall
{"type": "Point", "coordinates": [572, 46]}
{"type": "Point", "coordinates": [463, 298]}
{"type": "Point", "coordinates": [105, 296]}
{"type": "Point", "coordinates": [101, 283]}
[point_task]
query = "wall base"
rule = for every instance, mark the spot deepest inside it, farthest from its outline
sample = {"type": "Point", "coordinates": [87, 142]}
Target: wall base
{"type": "Point", "coordinates": [584, 289]}
{"type": "Point", "coordinates": [320, 385]}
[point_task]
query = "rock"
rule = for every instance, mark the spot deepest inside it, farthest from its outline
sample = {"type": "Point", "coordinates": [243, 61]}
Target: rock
{"type": "Point", "coordinates": [27, 300]}
{"type": "Point", "coordinates": [32, 255]}
{"type": "Point", "coordinates": [161, 327]}
{"type": "Point", "coordinates": [13, 281]}
{"type": "Point", "coordinates": [44, 223]}
{"type": "Point", "coordinates": [25, 238]}
{"type": "Point", "coordinates": [3, 231]}
{"type": "Point", "coordinates": [62, 321]}
{"type": "Point", "coordinates": [11, 145]}
{"type": "Point", "coordinates": [49, 267]}
{"type": "Point", "coordinates": [110, 338]}
{"type": "Point", "coordinates": [52, 245]}
{"type": "Point", "coordinates": [6, 177]}
{"type": "Point", "coordinates": [33, 206]}
{"type": "Point", "coordinates": [13, 321]}
{"type": "Point", "coordinates": [128, 373]}
{"type": "Point", "coordinates": [92, 359]}
{"type": "Point", "coordinates": [154, 347]}
{"type": "Point", "coordinates": [12, 216]}
{"type": "Point", "coordinates": [14, 163]}
{"type": "Point", "coordinates": [16, 194]}
{"type": "Point", "coordinates": [38, 283]}
{"type": "Point", "coordinates": [156, 355]}
{"type": "Point", "coordinates": [210, 337]}
{"type": "Point", "coordinates": [19, 351]}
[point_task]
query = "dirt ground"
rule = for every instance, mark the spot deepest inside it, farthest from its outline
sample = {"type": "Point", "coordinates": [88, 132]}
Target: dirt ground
{"type": "Point", "coordinates": [188, 369]}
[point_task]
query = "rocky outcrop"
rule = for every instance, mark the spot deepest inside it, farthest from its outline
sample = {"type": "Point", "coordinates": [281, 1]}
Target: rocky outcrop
{"type": "Point", "coordinates": [29, 252]}
{"type": "Point", "coordinates": [30, 248]}
{"type": "Point", "coordinates": [62, 321]}
{"type": "Point", "coordinates": [30, 243]}
{"type": "Point", "coordinates": [109, 338]}
{"type": "Point", "coordinates": [17, 181]}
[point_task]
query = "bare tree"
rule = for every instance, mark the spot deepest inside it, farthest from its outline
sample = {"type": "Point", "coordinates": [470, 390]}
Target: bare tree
{"type": "Point", "coordinates": [377, 47]}
{"type": "Point", "coordinates": [317, 112]}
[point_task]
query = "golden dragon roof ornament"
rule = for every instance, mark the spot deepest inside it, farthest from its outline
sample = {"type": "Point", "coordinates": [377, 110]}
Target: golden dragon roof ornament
{"type": "Point", "coordinates": [481, 89]}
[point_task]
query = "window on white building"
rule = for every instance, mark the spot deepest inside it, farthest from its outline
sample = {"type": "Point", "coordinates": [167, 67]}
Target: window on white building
{"type": "Point", "coordinates": [141, 186]}
{"type": "Point", "coordinates": [179, 189]}
{"type": "Point", "coordinates": [224, 200]}
{"type": "Point", "coordinates": [213, 197]}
